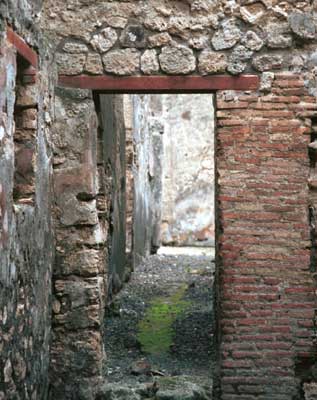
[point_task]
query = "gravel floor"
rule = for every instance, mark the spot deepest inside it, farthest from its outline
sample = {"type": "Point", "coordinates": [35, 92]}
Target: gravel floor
{"type": "Point", "coordinates": [188, 278]}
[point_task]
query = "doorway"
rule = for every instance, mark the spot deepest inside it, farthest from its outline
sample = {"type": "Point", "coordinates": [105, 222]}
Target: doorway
{"type": "Point", "coordinates": [160, 327]}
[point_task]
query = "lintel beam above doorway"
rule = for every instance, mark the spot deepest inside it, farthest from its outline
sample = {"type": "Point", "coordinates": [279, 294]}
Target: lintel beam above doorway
{"type": "Point", "coordinates": [160, 84]}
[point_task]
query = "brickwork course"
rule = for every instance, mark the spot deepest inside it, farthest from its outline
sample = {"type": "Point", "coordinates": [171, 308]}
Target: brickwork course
{"type": "Point", "coordinates": [56, 192]}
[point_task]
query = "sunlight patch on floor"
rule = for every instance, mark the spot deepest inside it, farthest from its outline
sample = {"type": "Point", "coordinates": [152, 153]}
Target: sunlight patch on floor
{"type": "Point", "coordinates": [190, 251]}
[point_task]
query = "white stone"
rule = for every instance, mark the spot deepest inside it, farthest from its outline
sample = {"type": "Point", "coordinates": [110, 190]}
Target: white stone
{"type": "Point", "coordinates": [104, 40]}
{"type": "Point", "coordinates": [266, 83]}
{"type": "Point", "coordinates": [227, 36]}
{"type": "Point", "coordinates": [149, 62]}
{"type": "Point", "coordinates": [252, 41]}
{"type": "Point", "coordinates": [75, 48]}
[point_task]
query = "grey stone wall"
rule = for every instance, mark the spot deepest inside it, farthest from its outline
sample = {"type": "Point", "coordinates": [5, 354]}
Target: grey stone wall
{"type": "Point", "coordinates": [147, 177]}
{"type": "Point", "coordinates": [114, 156]}
{"type": "Point", "coordinates": [81, 214]}
{"type": "Point", "coordinates": [128, 123]}
{"type": "Point", "coordinates": [26, 239]}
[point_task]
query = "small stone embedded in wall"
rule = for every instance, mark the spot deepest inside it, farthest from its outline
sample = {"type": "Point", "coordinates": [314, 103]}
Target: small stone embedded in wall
{"type": "Point", "coordinates": [156, 23]}
{"type": "Point", "coordinates": [267, 62]}
{"type": "Point", "coordinates": [199, 42]}
{"type": "Point", "coordinates": [133, 36]}
{"type": "Point", "coordinates": [252, 41]}
{"type": "Point", "coordinates": [252, 13]}
{"type": "Point", "coordinates": [238, 58]}
{"type": "Point", "coordinates": [177, 60]}
{"type": "Point", "coordinates": [149, 62]}
{"type": "Point", "coordinates": [70, 64]}
{"type": "Point", "coordinates": [227, 36]}
{"type": "Point", "coordinates": [104, 40]}
{"type": "Point", "coordinates": [28, 118]}
{"type": "Point", "coordinates": [266, 83]}
{"type": "Point", "coordinates": [94, 64]}
{"type": "Point", "coordinates": [117, 22]}
{"type": "Point", "coordinates": [19, 367]}
{"type": "Point", "coordinates": [303, 24]}
{"type": "Point", "coordinates": [211, 62]}
{"type": "Point", "coordinates": [178, 26]}
{"type": "Point", "coordinates": [75, 48]}
{"type": "Point", "coordinates": [7, 372]}
{"type": "Point", "coordinates": [27, 96]}
{"type": "Point", "coordinates": [122, 62]}
{"type": "Point", "coordinates": [160, 39]}
{"type": "Point", "coordinates": [278, 36]}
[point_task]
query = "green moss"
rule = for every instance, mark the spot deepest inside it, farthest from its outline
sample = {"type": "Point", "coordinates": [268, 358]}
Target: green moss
{"type": "Point", "coordinates": [155, 330]}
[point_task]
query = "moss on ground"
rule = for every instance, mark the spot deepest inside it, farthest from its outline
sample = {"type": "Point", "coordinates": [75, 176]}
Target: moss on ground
{"type": "Point", "coordinates": [155, 330]}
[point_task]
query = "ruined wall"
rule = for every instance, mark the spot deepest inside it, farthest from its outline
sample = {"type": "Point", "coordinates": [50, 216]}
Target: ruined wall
{"type": "Point", "coordinates": [26, 240]}
{"type": "Point", "coordinates": [266, 300]}
{"type": "Point", "coordinates": [188, 170]}
{"type": "Point", "coordinates": [114, 158]}
{"type": "Point", "coordinates": [128, 123]}
{"type": "Point", "coordinates": [81, 213]}
{"type": "Point", "coordinates": [147, 176]}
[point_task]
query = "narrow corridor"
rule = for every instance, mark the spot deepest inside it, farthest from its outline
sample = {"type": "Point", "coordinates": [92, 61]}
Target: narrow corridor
{"type": "Point", "coordinates": [159, 330]}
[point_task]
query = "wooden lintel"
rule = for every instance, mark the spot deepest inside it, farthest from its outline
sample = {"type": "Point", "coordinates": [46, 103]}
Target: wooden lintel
{"type": "Point", "coordinates": [160, 84]}
{"type": "Point", "coordinates": [22, 48]}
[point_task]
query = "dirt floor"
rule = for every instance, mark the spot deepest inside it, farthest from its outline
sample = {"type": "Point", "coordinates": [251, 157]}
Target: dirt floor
{"type": "Point", "coordinates": [161, 324]}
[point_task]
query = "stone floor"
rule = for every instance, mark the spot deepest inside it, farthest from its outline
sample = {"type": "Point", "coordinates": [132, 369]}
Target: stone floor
{"type": "Point", "coordinates": [159, 331]}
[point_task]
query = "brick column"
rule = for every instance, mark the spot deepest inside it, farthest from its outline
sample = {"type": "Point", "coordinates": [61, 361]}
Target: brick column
{"type": "Point", "coordinates": [266, 290]}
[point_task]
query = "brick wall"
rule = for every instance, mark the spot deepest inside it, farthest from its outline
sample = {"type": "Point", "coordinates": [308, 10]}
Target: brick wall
{"type": "Point", "coordinates": [266, 288]}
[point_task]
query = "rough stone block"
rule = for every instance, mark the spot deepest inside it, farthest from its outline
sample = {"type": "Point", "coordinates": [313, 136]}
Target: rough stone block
{"type": "Point", "coordinates": [122, 62]}
{"type": "Point", "coordinates": [104, 40]}
{"type": "Point", "coordinates": [310, 390]}
{"type": "Point", "coordinates": [94, 64]}
{"type": "Point", "coordinates": [149, 62]}
{"type": "Point", "coordinates": [211, 62]}
{"type": "Point", "coordinates": [177, 60]}
{"type": "Point", "coordinates": [70, 64]}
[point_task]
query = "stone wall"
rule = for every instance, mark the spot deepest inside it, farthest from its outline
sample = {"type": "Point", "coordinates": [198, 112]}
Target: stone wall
{"type": "Point", "coordinates": [128, 123]}
{"type": "Point", "coordinates": [26, 240]}
{"type": "Point", "coordinates": [147, 177]}
{"type": "Point", "coordinates": [188, 170]}
{"type": "Point", "coordinates": [265, 207]}
{"type": "Point", "coordinates": [114, 158]}
{"type": "Point", "coordinates": [82, 204]}
{"type": "Point", "coordinates": [181, 37]}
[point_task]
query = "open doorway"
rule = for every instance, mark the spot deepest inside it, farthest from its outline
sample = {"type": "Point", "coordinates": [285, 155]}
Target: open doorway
{"type": "Point", "coordinates": [160, 329]}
